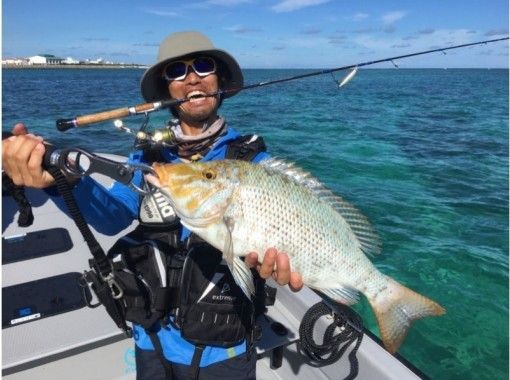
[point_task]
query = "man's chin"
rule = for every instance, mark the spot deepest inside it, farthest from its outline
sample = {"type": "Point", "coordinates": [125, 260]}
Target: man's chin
{"type": "Point", "coordinates": [197, 116]}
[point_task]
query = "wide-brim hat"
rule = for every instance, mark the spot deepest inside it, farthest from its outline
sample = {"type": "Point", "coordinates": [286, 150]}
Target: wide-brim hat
{"type": "Point", "coordinates": [181, 44]}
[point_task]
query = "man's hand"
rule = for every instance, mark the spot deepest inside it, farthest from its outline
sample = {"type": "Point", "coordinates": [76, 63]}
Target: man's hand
{"type": "Point", "coordinates": [275, 264]}
{"type": "Point", "coordinates": [22, 156]}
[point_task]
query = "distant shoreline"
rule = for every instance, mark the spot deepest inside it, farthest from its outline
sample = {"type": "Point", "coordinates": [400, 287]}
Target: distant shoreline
{"type": "Point", "coordinates": [88, 66]}
{"type": "Point", "coordinates": [144, 67]}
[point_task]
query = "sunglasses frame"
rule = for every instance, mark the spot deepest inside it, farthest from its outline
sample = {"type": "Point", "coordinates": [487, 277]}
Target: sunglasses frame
{"type": "Point", "coordinates": [189, 63]}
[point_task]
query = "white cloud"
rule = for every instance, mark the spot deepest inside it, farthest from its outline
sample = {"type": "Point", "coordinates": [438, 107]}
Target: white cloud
{"type": "Point", "coordinates": [391, 17]}
{"type": "Point", "coordinates": [159, 12]}
{"type": "Point", "coordinates": [228, 3]}
{"type": "Point", "coordinates": [240, 29]}
{"type": "Point", "coordinates": [440, 38]}
{"type": "Point", "coordinates": [292, 5]}
{"type": "Point", "coordinates": [360, 16]}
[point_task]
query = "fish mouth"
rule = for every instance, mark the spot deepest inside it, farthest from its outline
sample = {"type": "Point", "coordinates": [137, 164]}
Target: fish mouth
{"type": "Point", "coordinates": [193, 222]}
{"type": "Point", "coordinates": [153, 180]}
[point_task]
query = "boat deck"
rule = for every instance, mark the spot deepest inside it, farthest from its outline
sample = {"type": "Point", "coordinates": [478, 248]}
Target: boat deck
{"type": "Point", "coordinates": [84, 343]}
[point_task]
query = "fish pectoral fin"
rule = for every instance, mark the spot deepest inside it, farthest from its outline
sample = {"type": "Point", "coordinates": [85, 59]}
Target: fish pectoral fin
{"type": "Point", "coordinates": [343, 295]}
{"type": "Point", "coordinates": [243, 277]}
{"type": "Point", "coordinates": [241, 273]}
{"type": "Point", "coordinates": [228, 248]}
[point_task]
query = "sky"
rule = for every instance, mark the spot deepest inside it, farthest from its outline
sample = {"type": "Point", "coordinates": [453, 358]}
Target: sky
{"type": "Point", "coordinates": [263, 33]}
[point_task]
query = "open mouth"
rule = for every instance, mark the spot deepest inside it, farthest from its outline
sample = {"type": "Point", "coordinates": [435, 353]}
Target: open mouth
{"type": "Point", "coordinates": [195, 96]}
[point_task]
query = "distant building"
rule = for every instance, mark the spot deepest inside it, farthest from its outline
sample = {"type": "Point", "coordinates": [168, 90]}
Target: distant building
{"type": "Point", "coordinates": [14, 61]}
{"type": "Point", "coordinates": [70, 61]}
{"type": "Point", "coordinates": [51, 60]}
{"type": "Point", "coordinates": [37, 60]}
{"type": "Point", "coordinates": [45, 59]}
{"type": "Point", "coordinates": [99, 61]}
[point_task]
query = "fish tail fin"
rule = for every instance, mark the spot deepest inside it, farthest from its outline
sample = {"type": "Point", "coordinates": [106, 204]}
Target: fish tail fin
{"type": "Point", "coordinates": [396, 307]}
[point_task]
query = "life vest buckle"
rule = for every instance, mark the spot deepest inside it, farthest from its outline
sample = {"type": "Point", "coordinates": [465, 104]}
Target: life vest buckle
{"type": "Point", "coordinates": [116, 290]}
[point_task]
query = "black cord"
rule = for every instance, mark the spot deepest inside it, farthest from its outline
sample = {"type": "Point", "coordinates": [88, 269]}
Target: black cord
{"type": "Point", "coordinates": [101, 261]}
{"type": "Point", "coordinates": [26, 217]}
{"type": "Point", "coordinates": [334, 343]}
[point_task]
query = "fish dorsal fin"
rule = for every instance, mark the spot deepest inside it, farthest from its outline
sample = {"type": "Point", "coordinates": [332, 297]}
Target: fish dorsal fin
{"type": "Point", "coordinates": [359, 224]}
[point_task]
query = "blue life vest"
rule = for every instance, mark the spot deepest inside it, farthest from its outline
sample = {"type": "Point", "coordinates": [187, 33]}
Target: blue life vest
{"type": "Point", "coordinates": [121, 204]}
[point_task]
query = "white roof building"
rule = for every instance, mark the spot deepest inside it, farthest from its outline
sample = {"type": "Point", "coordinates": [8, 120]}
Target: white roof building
{"type": "Point", "coordinates": [45, 59]}
{"type": "Point", "coordinates": [37, 60]}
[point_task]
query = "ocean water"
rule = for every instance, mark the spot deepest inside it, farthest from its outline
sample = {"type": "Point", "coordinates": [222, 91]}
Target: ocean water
{"type": "Point", "coordinates": [422, 152]}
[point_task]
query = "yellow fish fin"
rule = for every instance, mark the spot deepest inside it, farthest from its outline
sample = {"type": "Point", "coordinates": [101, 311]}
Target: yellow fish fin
{"type": "Point", "coordinates": [396, 307]}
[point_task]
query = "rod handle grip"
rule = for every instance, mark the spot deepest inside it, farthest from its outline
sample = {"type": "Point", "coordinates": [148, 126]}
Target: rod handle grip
{"type": "Point", "coordinates": [118, 113]}
{"type": "Point", "coordinates": [80, 121]}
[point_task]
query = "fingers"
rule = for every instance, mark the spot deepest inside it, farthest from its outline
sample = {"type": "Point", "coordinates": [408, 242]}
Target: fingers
{"type": "Point", "coordinates": [267, 267]}
{"type": "Point", "coordinates": [22, 157]}
{"type": "Point", "coordinates": [19, 129]}
{"type": "Point", "coordinates": [277, 265]}
{"type": "Point", "coordinates": [296, 282]}
{"type": "Point", "coordinates": [251, 260]}
{"type": "Point", "coordinates": [282, 274]}
{"type": "Point", "coordinates": [38, 176]}
{"type": "Point", "coordinates": [24, 147]}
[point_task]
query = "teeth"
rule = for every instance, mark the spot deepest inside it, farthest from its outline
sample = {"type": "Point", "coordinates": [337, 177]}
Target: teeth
{"type": "Point", "coordinates": [195, 94]}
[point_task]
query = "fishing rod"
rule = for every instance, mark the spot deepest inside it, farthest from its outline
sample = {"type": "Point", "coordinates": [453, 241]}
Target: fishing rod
{"type": "Point", "coordinates": [145, 108]}
{"type": "Point", "coordinates": [118, 113]}
{"type": "Point", "coordinates": [357, 65]}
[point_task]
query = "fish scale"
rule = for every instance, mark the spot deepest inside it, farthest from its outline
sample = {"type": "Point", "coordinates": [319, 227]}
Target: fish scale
{"type": "Point", "coordinates": [306, 228]}
{"type": "Point", "coordinates": [241, 207]}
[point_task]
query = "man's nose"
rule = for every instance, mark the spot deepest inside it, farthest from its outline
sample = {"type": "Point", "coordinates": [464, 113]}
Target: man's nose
{"type": "Point", "coordinates": [192, 76]}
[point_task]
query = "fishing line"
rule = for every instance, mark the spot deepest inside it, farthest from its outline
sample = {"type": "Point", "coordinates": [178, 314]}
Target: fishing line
{"type": "Point", "coordinates": [146, 108]}
{"type": "Point", "coordinates": [327, 71]}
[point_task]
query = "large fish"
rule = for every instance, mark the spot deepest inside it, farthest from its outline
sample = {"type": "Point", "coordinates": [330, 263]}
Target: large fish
{"type": "Point", "coordinates": [240, 207]}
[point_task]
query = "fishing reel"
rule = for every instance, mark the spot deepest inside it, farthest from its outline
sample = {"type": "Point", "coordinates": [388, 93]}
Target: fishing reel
{"type": "Point", "coordinates": [147, 140]}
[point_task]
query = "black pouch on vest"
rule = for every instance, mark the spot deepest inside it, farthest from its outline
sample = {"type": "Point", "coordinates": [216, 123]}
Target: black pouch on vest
{"type": "Point", "coordinates": [213, 309]}
{"type": "Point", "coordinates": [142, 270]}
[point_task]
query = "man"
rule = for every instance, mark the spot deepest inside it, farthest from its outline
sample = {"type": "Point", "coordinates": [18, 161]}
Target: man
{"type": "Point", "coordinates": [188, 67]}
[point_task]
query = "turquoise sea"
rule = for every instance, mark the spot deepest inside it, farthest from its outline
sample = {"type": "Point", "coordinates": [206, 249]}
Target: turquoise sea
{"type": "Point", "coordinates": [422, 152]}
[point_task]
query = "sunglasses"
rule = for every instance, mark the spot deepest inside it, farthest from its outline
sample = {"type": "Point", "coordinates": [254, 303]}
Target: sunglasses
{"type": "Point", "coordinates": [177, 70]}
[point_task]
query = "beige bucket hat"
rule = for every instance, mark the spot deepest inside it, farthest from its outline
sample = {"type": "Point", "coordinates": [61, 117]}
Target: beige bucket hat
{"type": "Point", "coordinates": [178, 45]}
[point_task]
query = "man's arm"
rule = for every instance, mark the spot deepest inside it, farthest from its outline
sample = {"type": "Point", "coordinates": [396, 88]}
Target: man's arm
{"type": "Point", "coordinates": [108, 211]}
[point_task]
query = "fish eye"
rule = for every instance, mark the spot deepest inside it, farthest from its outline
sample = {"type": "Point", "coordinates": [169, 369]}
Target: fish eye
{"type": "Point", "coordinates": [209, 174]}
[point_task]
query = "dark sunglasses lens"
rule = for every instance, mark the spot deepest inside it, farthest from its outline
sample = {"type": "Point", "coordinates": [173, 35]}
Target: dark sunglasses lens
{"type": "Point", "coordinates": [175, 70]}
{"type": "Point", "coordinates": [203, 65]}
